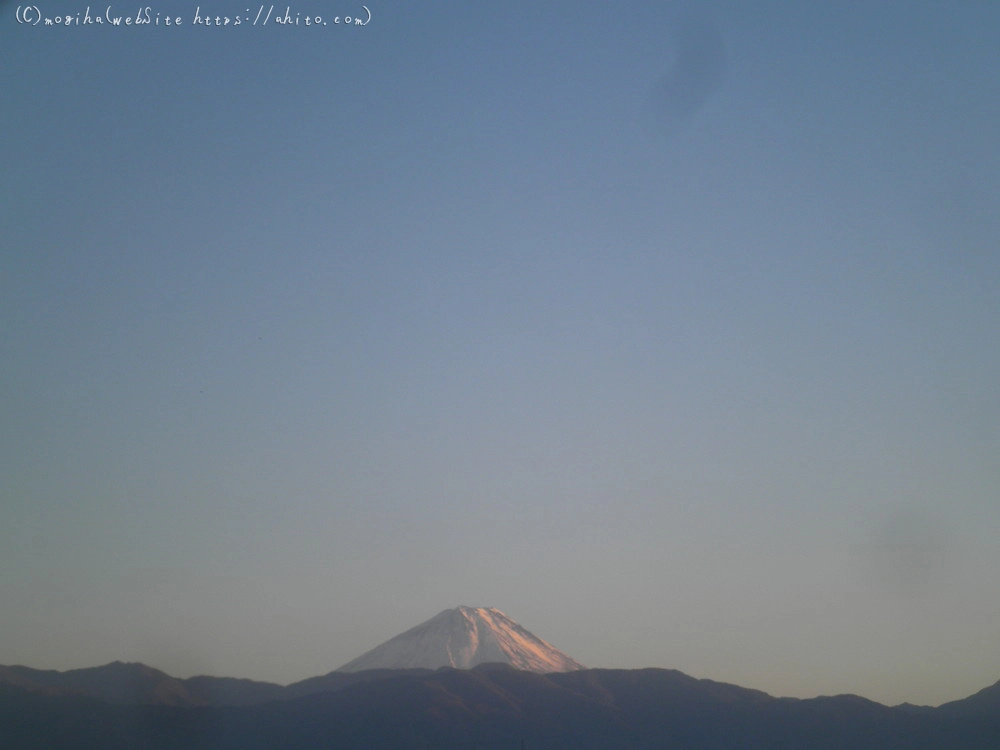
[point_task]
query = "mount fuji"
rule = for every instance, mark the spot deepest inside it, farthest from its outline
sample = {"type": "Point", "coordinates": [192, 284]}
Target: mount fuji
{"type": "Point", "coordinates": [462, 638]}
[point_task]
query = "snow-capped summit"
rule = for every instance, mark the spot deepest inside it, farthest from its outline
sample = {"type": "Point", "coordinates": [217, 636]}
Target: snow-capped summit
{"type": "Point", "coordinates": [462, 638]}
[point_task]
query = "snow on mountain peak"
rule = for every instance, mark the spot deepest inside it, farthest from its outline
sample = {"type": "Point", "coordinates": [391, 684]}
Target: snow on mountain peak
{"type": "Point", "coordinates": [462, 638]}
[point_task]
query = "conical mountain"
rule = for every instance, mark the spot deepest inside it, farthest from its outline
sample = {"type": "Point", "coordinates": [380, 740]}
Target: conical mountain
{"type": "Point", "coordinates": [462, 638]}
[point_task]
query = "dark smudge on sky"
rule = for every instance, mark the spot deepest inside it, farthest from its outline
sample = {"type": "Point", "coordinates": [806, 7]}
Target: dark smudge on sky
{"type": "Point", "coordinates": [696, 72]}
{"type": "Point", "coordinates": [909, 553]}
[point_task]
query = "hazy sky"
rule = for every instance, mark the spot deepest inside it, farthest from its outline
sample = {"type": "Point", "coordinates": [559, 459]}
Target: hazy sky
{"type": "Point", "coordinates": [673, 331]}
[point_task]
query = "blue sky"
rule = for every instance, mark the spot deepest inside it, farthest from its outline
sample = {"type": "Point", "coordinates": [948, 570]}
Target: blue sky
{"type": "Point", "coordinates": [670, 330]}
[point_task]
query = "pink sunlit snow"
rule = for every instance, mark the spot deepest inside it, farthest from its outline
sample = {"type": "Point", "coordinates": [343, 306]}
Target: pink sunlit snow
{"type": "Point", "coordinates": [462, 638]}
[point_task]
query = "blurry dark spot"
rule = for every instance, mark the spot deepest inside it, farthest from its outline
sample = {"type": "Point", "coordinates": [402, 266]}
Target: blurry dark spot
{"type": "Point", "coordinates": [909, 553]}
{"type": "Point", "coordinates": [696, 72]}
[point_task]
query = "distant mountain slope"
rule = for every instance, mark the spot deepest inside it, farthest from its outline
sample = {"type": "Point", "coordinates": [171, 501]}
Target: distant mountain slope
{"type": "Point", "coordinates": [337, 680]}
{"type": "Point", "coordinates": [134, 684]}
{"type": "Point", "coordinates": [462, 638]}
{"type": "Point", "coordinates": [123, 683]}
{"type": "Point", "coordinates": [118, 682]}
{"type": "Point", "coordinates": [497, 707]}
{"type": "Point", "coordinates": [984, 703]}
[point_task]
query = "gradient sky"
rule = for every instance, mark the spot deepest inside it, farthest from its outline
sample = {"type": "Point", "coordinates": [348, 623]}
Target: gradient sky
{"type": "Point", "coordinates": [673, 331]}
